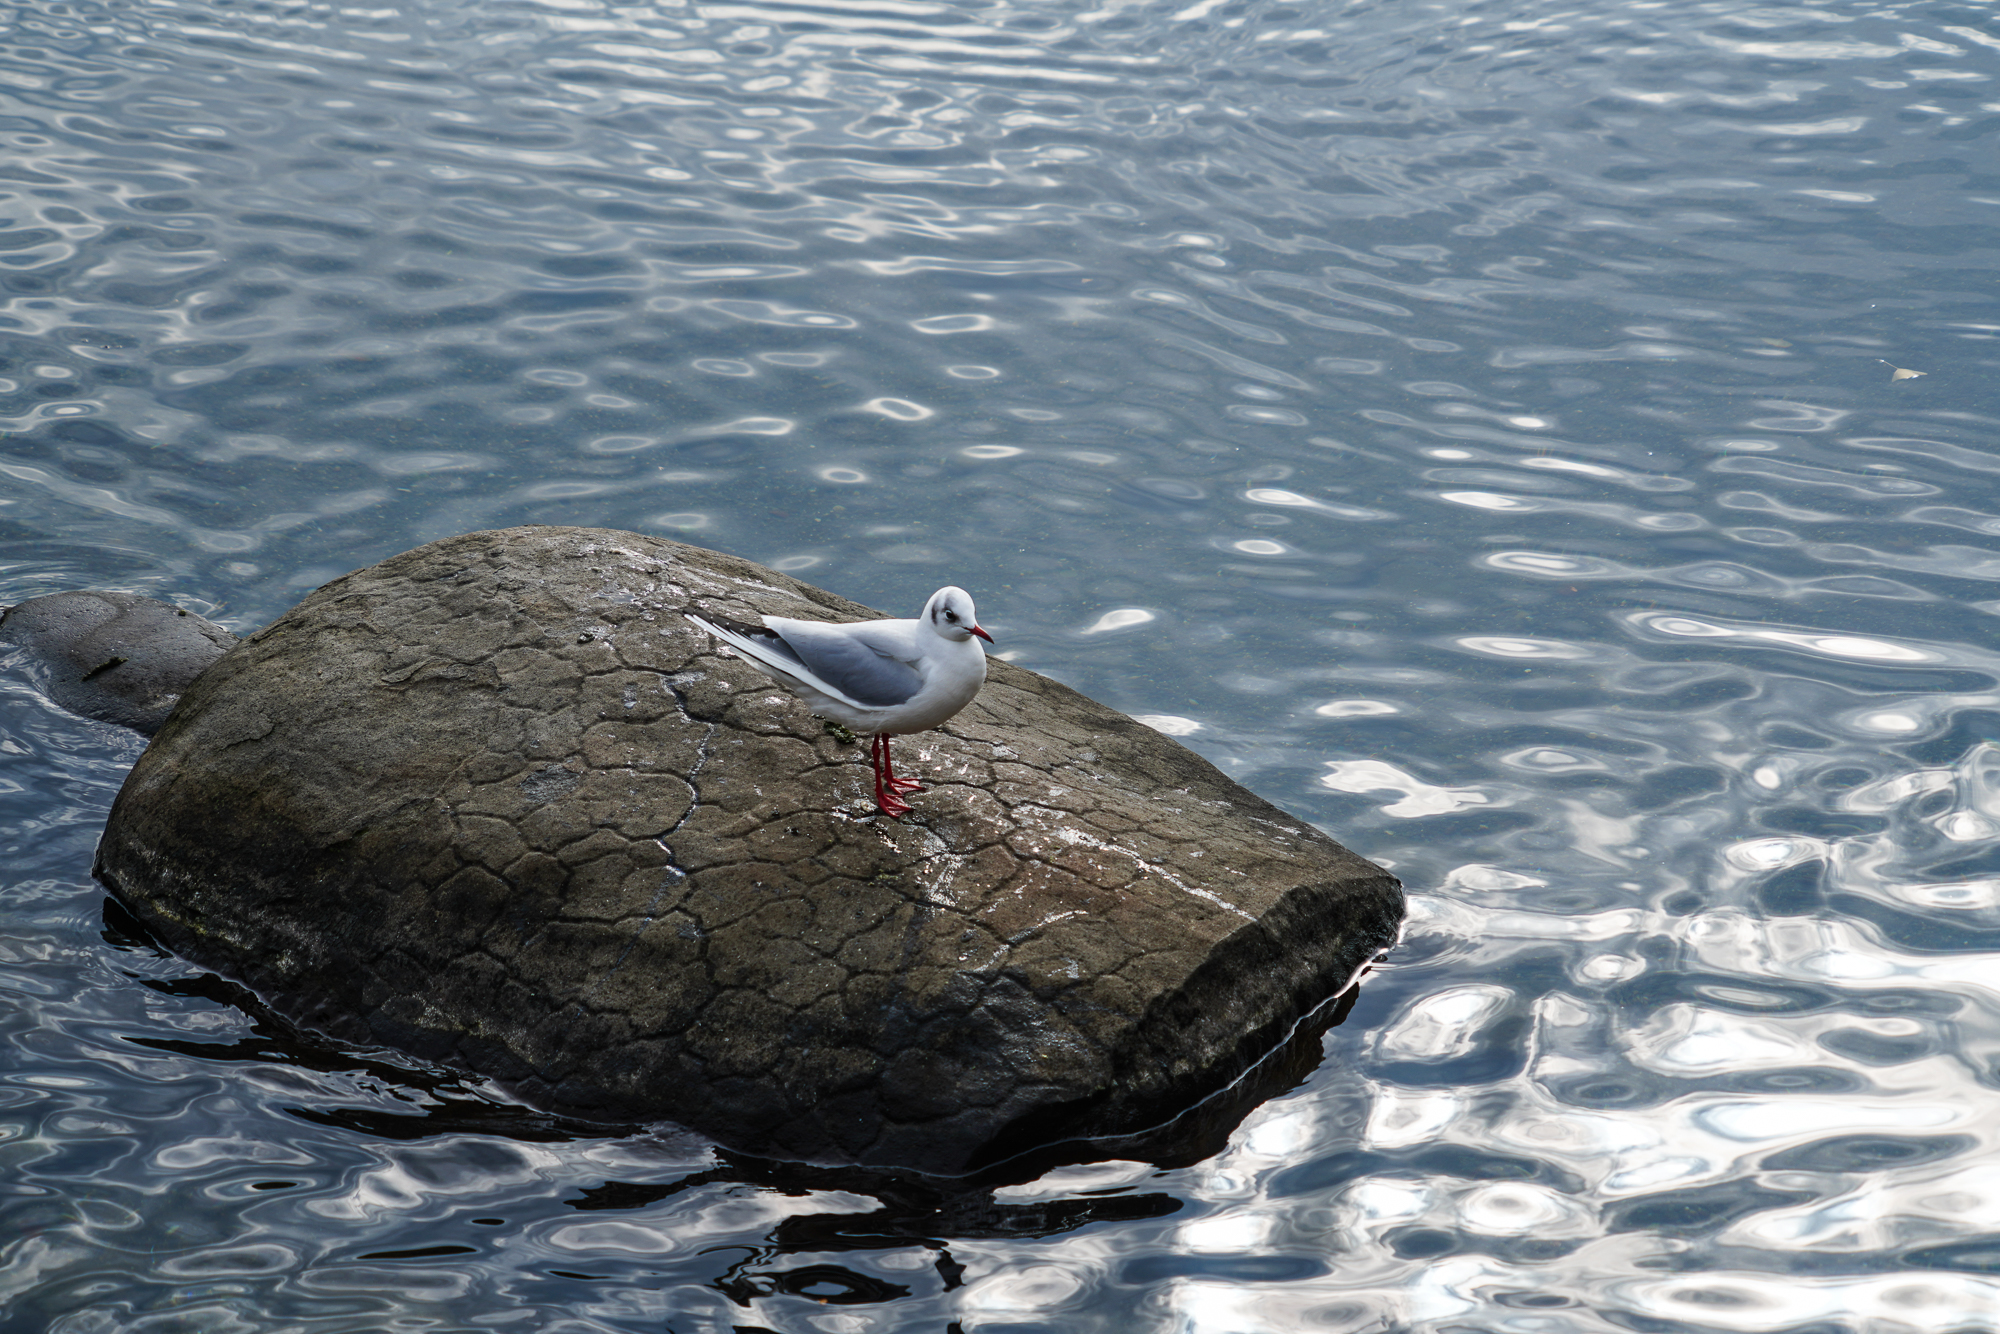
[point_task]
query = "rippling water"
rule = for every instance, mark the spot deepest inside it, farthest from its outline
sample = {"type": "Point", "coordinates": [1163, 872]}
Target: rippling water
{"type": "Point", "coordinates": [1476, 426]}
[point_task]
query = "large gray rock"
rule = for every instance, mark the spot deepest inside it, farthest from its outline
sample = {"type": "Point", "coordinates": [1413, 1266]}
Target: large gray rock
{"type": "Point", "coordinates": [496, 803]}
{"type": "Point", "coordinates": [117, 657]}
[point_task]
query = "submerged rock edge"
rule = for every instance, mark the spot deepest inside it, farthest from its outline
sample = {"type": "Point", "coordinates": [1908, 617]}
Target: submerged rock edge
{"type": "Point", "coordinates": [117, 657]}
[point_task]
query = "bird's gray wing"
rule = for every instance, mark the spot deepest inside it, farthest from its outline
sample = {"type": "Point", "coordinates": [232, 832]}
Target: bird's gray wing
{"type": "Point", "coordinates": [870, 666]}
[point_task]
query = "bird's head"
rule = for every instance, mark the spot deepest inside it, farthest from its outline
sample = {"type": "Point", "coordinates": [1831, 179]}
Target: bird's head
{"type": "Point", "coordinates": [949, 613]}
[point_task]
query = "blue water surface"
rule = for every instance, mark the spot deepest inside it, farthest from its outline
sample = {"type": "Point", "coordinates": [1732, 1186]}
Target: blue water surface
{"type": "Point", "coordinates": [1551, 447]}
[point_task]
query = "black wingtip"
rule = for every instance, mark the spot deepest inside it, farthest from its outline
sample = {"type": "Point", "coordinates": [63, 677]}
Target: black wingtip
{"type": "Point", "coordinates": [739, 628]}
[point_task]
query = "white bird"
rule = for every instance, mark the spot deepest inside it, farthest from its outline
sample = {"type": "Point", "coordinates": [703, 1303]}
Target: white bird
{"type": "Point", "coordinates": [885, 678]}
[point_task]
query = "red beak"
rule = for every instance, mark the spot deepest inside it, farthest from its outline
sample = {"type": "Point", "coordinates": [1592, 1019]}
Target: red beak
{"type": "Point", "coordinates": [982, 634]}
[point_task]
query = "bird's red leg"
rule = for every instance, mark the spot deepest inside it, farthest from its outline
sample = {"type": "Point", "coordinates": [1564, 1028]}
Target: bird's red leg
{"type": "Point", "coordinates": [894, 783]}
{"type": "Point", "coordinates": [885, 801]}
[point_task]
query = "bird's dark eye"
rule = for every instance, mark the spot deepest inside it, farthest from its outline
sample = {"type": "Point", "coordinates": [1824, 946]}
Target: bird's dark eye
{"type": "Point", "coordinates": [951, 616]}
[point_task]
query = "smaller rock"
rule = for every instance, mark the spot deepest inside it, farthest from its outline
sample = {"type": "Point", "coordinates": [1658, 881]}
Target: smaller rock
{"type": "Point", "coordinates": [116, 657]}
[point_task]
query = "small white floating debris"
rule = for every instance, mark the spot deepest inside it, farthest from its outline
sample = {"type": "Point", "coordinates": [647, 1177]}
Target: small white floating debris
{"type": "Point", "coordinates": [1122, 618]}
{"type": "Point", "coordinates": [1901, 373]}
{"type": "Point", "coordinates": [1171, 724]}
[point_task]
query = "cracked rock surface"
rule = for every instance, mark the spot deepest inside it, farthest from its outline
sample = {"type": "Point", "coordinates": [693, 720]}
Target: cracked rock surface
{"type": "Point", "coordinates": [494, 802]}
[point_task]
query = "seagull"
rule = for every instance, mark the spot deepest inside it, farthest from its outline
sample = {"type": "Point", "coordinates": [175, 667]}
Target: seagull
{"type": "Point", "coordinates": [881, 677]}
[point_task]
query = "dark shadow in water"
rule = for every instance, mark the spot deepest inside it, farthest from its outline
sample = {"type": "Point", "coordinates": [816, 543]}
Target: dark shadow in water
{"type": "Point", "coordinates": [912, 1209]}
{"type": "Point", "coordinates": [829, 1285]}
